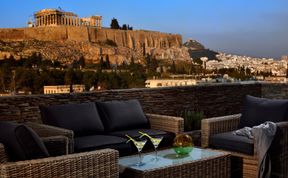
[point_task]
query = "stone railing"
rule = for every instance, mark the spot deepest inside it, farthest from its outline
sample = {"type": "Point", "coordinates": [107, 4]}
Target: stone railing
{"type": "Point", "coordinates": [213, 100]}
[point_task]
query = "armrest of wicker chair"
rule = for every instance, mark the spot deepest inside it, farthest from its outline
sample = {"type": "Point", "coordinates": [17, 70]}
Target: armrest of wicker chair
{"type": "Point", "coordinates": [3, 155]}
{"type": "Point", "coordinates": [166, 123]}
{"type": "Point", "coordinates": [215, 125]}
{"type": "Point", "coordinates": [47, 131]}
{"type": "Point", "coordinates": [279, 151]}
{"type": "Point", "coordinates": [100, 163]}
{"type": "Point", "coordinates": [56, 145]}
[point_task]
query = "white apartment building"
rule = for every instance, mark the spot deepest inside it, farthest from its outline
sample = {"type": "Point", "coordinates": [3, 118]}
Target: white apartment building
{"type": "Point", "coordinates": [63, 89]}
{"type": "Point", "coordinates": [155, 83]}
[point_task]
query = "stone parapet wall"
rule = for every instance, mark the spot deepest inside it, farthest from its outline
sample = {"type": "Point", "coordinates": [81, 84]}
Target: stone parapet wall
{"type": "Point", "coordinates": [213, 100]}
{"type": "Point", "coordinates": [275, 91]}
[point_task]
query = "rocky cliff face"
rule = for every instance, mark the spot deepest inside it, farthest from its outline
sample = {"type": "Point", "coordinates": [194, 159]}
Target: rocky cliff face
{"type": "Point", "coordinates": [66, 44]}
{"type": "Point", "coordinates": [65, 51]}
{"type": "Point", "coordinates": [70, 43]}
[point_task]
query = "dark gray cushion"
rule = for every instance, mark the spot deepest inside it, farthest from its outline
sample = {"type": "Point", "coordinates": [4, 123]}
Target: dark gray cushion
{"type": "Point", "coordinates": [259, 110]}
{"type": "Point", "coordinates": [94, 142]}
{"type": "Point", "coordinates": [22, 142]}
{"type": "Point", "coordinates": [168, 137]}
{"type": "Point", "coordinates": [83, 118]}
{"type": "Point", "coordinates": [231, 142]}
{"type": "Point", "coordinates": [122, 115]}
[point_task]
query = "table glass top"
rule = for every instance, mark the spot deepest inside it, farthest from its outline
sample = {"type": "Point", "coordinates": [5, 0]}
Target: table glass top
{"type": "Point", "coordinates": [165, 158]}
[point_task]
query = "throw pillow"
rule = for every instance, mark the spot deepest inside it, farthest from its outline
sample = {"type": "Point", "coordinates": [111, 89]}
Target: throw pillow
{"type": "Point", "coordinates": [122, 115]}
{"type": "Point", "coordinates": [259, 110]}
{"type": "Point", "coordinates": [83, 118]}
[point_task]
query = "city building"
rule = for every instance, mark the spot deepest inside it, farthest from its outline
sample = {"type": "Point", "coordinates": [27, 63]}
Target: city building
{"type": "Point", "coordinates": [56, 17]}
{"type": "Point", "coordinates": [155, 83]}
{"type": "Point", "coordinates": [63, 89]}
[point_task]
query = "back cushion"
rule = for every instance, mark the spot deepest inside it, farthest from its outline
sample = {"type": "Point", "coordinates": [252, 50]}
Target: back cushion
{"type": "Point", "coordinates": [259, 110]}
{"type": "Point", "coordinates": [122, 115]}
{"type": "Point", "coordinates": [22, 142]}
{"type": "Point", "coordinates": [83, 118]}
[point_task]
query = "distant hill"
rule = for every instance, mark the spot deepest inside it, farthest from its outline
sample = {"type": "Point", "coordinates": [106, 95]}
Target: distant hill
{"type": "Point", "coordinates": [197, 54]}
{"type": "Point", "coordinates": [197, 50]}
{"type": "Point", "coordinates": [193, 45]}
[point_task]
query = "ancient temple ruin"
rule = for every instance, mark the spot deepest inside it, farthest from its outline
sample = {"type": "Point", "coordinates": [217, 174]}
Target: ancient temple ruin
{"type": "Point", "coordinates": [57, 17]}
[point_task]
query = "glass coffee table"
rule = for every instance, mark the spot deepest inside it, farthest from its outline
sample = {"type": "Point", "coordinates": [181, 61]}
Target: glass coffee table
{"type": "Point", "coordinates": [200, 163]}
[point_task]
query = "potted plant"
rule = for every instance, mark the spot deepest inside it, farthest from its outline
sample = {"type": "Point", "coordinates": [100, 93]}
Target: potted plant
{"type": "Point", "coordinates": [192, 124]}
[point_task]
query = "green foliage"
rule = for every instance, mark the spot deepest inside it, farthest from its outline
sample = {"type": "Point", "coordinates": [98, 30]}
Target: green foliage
{"type": "Point", "coordinates": [192, 119]}
{"type": "Point", "coordinates": [107, 62]}
{"type": "Point", "coordinates": [241, 73]}
{"type": "Point", "coordinates": [114, 24]}
{"type": "Point", "coordinates": [124, 27]}
{"type": "Point", "coordinates": [151, 65]}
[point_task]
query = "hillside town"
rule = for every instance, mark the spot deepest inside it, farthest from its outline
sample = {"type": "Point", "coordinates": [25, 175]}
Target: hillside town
{"type": "Point", "coordinates": [275, 67]}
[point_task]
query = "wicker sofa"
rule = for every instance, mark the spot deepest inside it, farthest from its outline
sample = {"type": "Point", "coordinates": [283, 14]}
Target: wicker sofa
{"type": "Point", "coordinates": [108, 125]}
{"type": "Point", "coordinates": [248, 163]}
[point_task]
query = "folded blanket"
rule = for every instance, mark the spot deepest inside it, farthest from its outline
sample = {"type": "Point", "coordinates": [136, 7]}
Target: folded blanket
{"type": "Point", "coordinates": [263, 136]}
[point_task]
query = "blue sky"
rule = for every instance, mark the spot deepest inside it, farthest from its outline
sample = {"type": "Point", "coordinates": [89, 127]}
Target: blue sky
{"type": "Point", "coordinates": [246, 27]}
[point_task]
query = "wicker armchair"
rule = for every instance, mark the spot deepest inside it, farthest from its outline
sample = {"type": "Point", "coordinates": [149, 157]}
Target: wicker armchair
{"type": "Point", "coordinates": [279, 149]}
{"type": "Point", "coordinates": [166, 123]}
{"type": "Point", "coordinates": [100, 164]}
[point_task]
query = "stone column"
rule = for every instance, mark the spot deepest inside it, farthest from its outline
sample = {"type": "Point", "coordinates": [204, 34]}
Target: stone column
{"type": "Point", "coordinates": [37, 21]}
{"type": "Point", "coordinates": [62, 20]}
{"type": "Point", "coordinates": [48, 19]}
{"type": "Point", "coordinates": [57, 19]}
{"type": "Point", "coordinates": [77, 21]}
{"type": "Point", "coordinates": [53, 19]}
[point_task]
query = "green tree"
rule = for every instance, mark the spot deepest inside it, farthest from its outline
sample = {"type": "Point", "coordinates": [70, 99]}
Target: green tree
{"type": "Point", "coordinates": [114, 24]}
{"type": "Point", "coordinates": [107, 62]}
{"type": "Point", "coordinates": [173, 68]}
{"type": "Point", "coordinates": [101, 65]}
{"type": "Point", "coordinates": [124, 27]}
{"type": "Point", "coordinates": [144, 49]}
{"type": "Point", "coordinates": [5, 78]}
{"type": "Point", "coordinates": [24, 79]}
{"type": "Point", "coordinates": [89, 79]}
{"type": "Point", "coordinates": [81, 61]}
{"type": "Point", "coordinates": [69, 77]}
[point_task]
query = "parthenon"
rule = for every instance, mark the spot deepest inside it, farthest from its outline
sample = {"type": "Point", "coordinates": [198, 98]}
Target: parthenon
{"type": "Point", "coordinates": [55, 17]}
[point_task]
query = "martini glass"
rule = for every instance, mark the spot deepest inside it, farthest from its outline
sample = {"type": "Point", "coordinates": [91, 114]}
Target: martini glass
{"type": "Point", "coordinates": [139, 144]}
{"type": "Point", "coordinates": [155, 141]}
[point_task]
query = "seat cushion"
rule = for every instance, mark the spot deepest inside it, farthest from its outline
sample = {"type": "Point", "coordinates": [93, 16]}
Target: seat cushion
{"type": "Point", "coordinates": [231, 142]}
{"type": "Point", "coordinates": [95, 142]}
{"type": "Point", "coordinates": [259, 110]}
{"type": "Point", "coordinates": [122, 115]}
{"type": "Point", "coordinates": [22, 142]}
{"type": "Point", "coordinates": [83, 118]}
{"type": "Point", "coordinates": [167, 140]}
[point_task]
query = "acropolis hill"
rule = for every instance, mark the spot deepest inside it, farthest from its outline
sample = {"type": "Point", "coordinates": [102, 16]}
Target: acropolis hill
{"type": "Point", "coordinates": [63, 36]}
